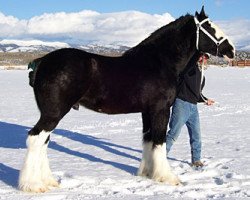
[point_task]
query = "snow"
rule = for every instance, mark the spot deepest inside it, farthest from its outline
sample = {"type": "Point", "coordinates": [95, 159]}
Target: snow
{"type": "Point", "coordinates": [96, 156]}
{"type": "Point", "coordinates": [28, 43]}
{"type": "Point", "coordinates": [11, 67]}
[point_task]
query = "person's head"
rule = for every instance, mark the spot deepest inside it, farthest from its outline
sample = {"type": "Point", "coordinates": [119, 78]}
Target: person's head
{"type": "Point", "coordinates": [203, 58]}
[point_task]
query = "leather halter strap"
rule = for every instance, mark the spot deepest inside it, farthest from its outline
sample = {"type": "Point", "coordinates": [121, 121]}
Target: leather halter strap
{"type": "Point", "coordinates": [200, 28]}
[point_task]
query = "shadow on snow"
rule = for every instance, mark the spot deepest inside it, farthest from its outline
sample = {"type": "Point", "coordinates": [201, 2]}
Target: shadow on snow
{"type": "Point", "coordinates": [9, 175]}
{"type": "Point", "coordinates": [13, 136]}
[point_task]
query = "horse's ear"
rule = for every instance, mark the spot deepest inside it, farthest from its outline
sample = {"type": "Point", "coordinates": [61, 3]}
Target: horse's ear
{"type": "Point", "coordinates": [202, 13]}
{"type": "Point", "coordinates": [196, 14]}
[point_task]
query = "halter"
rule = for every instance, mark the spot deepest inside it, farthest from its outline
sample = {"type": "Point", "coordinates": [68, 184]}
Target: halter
{"type": "Point", "coordinates": [199, 27]}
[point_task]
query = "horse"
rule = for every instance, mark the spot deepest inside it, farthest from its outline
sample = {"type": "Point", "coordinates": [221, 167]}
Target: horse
{"type": "Point", "coordinates": [142, 80]}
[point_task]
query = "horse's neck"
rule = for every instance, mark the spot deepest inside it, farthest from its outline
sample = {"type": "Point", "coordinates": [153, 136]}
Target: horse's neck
{"type": "Point", "coordinates": [179, 48]}
{"type": "Point", "coordinates": [169, 53]}
{"type": "Point", "coordinates": [185, 48]}
{"type": "Point", "coordinates": [181, 64]}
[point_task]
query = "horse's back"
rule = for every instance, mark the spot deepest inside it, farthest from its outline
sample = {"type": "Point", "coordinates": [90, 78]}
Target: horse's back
{"type": "Point", "coordinates": [62, 59]}
{"type": "Point", "coordinates": [73, 60]}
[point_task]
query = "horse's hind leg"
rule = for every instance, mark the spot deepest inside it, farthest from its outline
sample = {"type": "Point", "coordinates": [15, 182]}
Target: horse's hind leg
{"type": "Point", "coordinates": [36, 175]}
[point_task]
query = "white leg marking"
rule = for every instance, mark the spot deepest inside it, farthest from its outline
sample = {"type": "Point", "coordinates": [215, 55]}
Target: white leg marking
{"type": "Point", "coordinates": [47, 177]}
{"type": "Point", "coordinates": [155, 164]}
{"type": "Point", "coordinates": [30, 178]}
{"type": "Point", "coordinates": [144, 169]}
{"type": "Point", "coordinates": [218, 32]}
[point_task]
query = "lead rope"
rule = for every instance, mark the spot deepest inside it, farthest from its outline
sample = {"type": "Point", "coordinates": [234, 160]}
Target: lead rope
{"type": "Point", "coordinates": [216, 41]}
{"type": "Point", "coordinates": [202, 77]}
{"type": "Point", "coordinates": [217, 104]}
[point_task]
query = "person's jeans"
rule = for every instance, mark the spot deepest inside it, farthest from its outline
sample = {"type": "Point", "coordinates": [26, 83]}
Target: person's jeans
{"type": "Point", "coordinates": [184, 112]}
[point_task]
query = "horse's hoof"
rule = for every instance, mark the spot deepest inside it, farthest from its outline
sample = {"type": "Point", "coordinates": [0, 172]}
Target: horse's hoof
{"type": "Point", "coordinates": [171, 179]}
{"type": "Point", "coordinates": [175, 181]}
{"type": "Point", "coordinates": [33, 187]}
{"type": "Point", "coordinates": [51, 182]}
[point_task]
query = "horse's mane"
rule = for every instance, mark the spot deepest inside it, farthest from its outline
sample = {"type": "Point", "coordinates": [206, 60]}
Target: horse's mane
{"type": "Point", "coordinates": [160, 33]}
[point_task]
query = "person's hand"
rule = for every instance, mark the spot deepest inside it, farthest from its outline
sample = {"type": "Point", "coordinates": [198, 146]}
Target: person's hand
{"type": "Point", "coordinates": [210, 102]}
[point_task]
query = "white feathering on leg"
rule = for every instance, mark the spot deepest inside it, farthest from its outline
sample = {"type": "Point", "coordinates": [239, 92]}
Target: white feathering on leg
{"type": "Point", "coordinates": [155, 164]}
{"type": "Point", "coordinates": [30, 178]}
{"type": "Point", "coordinates": [144, 169]}
{"type": "Point", "coordinates": [46, 173]}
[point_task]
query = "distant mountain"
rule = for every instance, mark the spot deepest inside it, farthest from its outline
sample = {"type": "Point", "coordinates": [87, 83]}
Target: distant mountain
{"type": "Point", "coordinates": [38, 46]}
{"type": "Point", "coordinates": [30, 46]}
{"type": "Point", "coordinates": [243, 48]}
{"type": "Point", "coordinates": [41, 46]}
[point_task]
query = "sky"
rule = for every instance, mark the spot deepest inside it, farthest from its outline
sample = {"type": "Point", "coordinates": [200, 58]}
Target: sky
{"type": "Point", "coordinates": [218, 9]}
{"type": "Point", "coordinates": [114, 21]}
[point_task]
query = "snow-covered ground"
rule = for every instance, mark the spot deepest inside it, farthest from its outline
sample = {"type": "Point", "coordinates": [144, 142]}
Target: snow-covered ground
{"type": "Point", "coordinates": [13, 67]}
{"type": "Point", "coordinates": [96, 156]}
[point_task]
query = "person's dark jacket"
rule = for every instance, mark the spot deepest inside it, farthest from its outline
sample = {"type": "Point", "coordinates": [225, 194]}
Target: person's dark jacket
{"type": "Point", "coordinates": [189, 84]}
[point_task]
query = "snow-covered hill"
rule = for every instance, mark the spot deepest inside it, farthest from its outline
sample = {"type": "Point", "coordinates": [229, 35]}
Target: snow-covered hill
{"type": "Point", "coordinates": [29, 45]}
{"type": "Point", "coordinates": [94, 47]}
{"type": "Point", "coordinates": [42, 46]}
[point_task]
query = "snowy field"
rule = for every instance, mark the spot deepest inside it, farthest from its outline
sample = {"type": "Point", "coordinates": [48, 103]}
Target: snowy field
{"type": "Point", "coordinates": [96, 156]}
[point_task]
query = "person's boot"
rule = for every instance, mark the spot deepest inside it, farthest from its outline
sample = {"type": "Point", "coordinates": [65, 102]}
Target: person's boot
{"type": "Point", "coordinates": [197, 164]}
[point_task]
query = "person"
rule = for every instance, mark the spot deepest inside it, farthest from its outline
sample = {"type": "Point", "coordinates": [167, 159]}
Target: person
{"type": "Point", "coordinates": [184, 109]}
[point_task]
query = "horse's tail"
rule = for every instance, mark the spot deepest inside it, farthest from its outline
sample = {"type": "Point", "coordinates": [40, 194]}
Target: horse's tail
{"type": "Point", "coordinates": [32, 74]}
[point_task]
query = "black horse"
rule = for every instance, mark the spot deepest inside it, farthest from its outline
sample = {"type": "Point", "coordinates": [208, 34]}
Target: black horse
{"type": "Point", "coordinates": [142, 80]}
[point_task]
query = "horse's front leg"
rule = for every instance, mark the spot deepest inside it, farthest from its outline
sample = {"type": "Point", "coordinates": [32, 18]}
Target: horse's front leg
{"type": "Point", "coordinates": [154, 158]}
{"type": "Point", "coordinates": [143, 169]}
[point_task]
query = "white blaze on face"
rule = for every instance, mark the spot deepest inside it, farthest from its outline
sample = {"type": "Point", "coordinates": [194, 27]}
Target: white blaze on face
{"type": "Point", "coordinates": [220, 34]}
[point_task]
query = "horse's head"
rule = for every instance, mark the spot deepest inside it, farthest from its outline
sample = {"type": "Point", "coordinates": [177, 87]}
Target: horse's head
{"type": "Point", "coordinates": [210, 38]}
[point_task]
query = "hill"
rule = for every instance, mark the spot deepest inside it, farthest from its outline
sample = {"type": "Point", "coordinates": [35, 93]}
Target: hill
{"type": "Point", "coordinates": [18, 52]}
